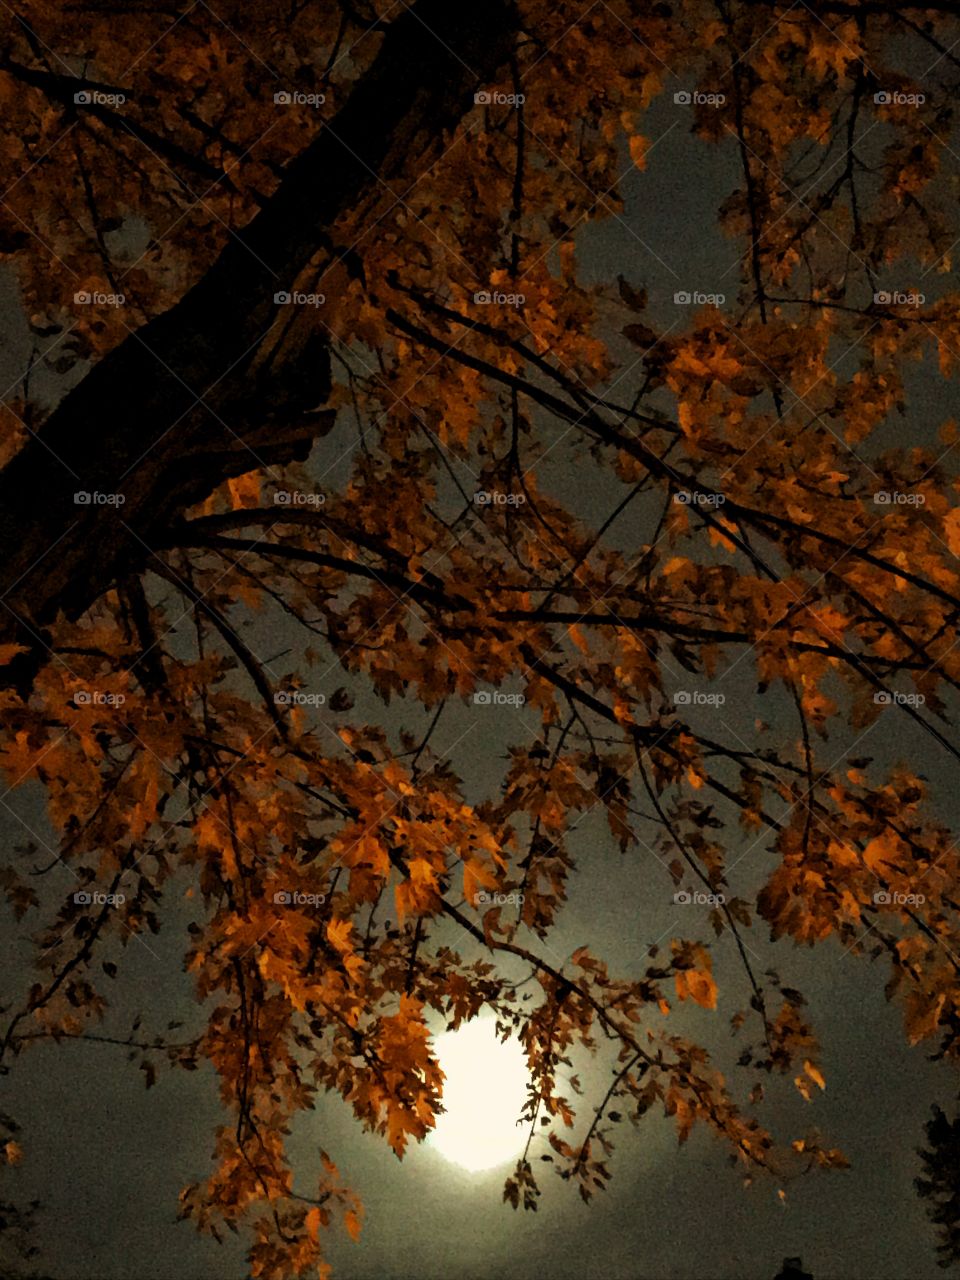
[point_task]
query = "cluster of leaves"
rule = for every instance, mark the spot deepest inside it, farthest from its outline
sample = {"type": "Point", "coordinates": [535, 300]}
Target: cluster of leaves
{"type": "Point", "coordinates": [421, 597]}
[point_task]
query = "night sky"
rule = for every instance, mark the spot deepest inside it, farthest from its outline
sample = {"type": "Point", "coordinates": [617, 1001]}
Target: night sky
{"type": "Point", "coordinates": [108, 1159]}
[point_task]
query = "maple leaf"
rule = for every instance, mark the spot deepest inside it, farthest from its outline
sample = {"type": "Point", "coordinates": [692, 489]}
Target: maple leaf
{"type": "Point", "coordinates": [638, 150]}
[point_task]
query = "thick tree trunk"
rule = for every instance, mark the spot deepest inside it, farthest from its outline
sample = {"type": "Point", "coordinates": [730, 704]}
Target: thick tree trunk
{"type": "Point", "coordinates": [135, 424]}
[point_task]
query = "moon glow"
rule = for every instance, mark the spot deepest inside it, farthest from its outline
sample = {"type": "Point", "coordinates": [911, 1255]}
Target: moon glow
{"type": "Point", "coordinates": [484, 1093]}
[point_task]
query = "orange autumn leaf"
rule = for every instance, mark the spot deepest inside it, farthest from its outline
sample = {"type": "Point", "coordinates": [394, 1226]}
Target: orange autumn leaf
{"type": "Point", "coordinates": [639, 146]}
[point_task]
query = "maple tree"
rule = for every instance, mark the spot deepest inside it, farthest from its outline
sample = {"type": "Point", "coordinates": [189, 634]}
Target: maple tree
{"type": "Point", "coordinates": [734, 446]}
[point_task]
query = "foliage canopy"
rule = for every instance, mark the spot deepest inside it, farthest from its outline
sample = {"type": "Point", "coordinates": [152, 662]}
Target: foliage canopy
{"type": "Point", "coordinates": [735, 449]}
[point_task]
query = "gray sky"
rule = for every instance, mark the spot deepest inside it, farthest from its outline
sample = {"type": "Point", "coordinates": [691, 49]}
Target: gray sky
{"type": "Point", "coordinates": [108, 1158]}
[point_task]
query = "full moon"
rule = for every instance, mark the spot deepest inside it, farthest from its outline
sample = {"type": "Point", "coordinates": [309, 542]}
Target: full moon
{"type": "Point", "coordinates": [484, 1093]}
